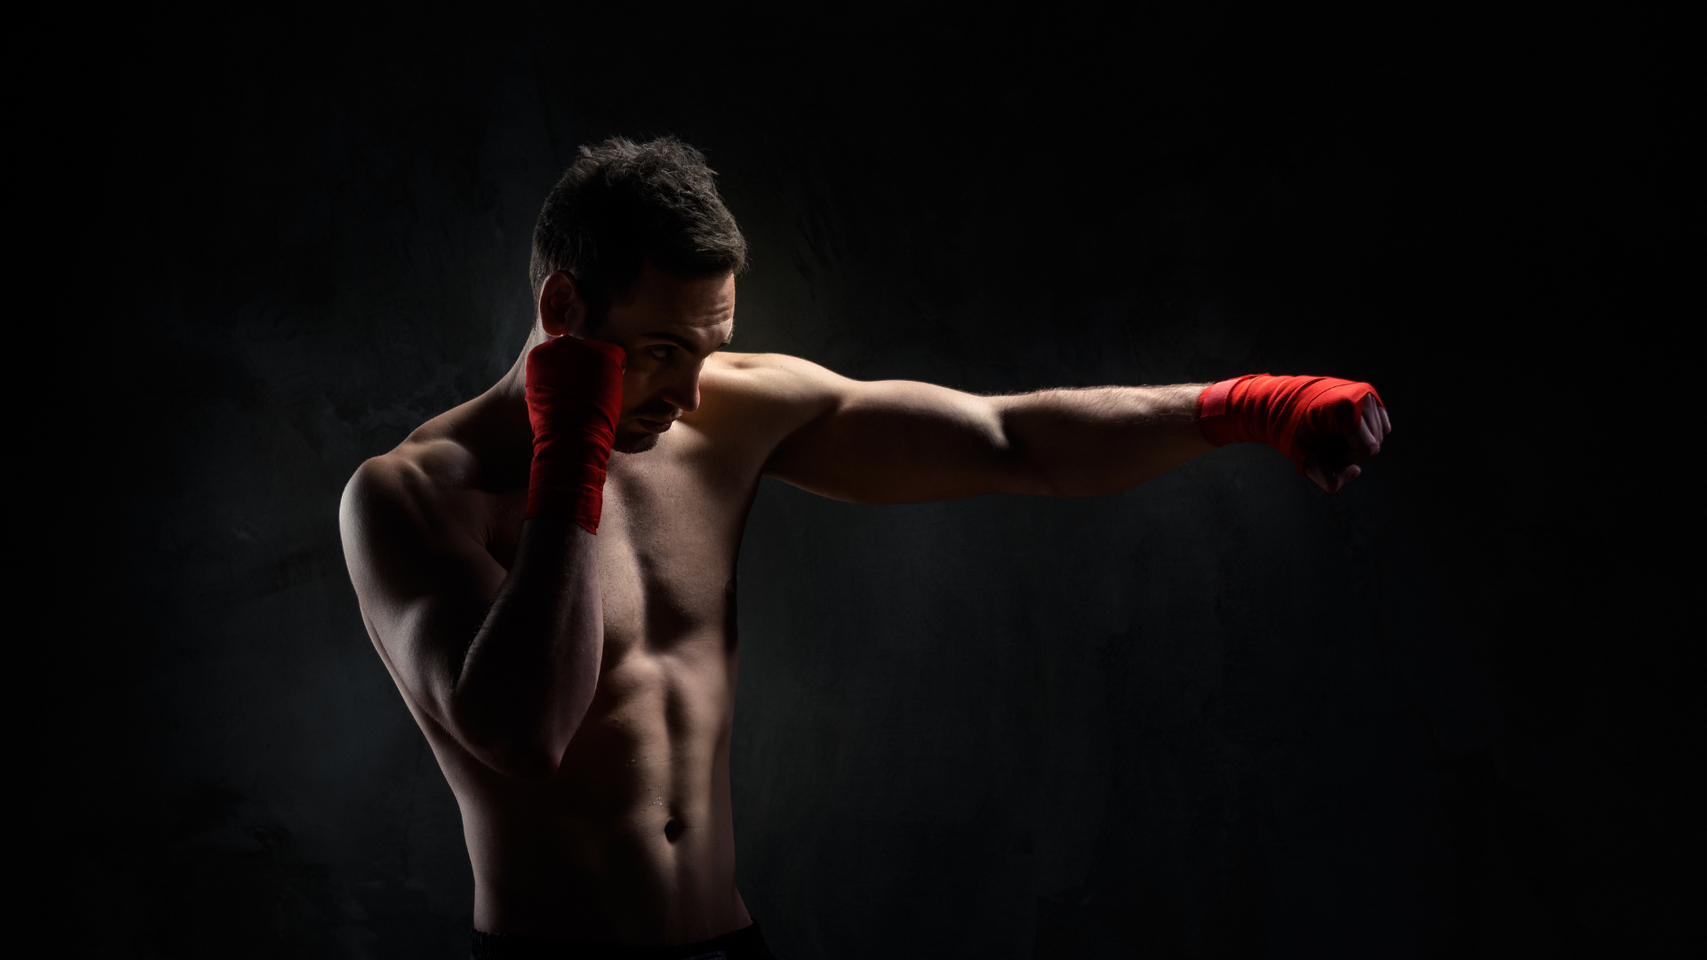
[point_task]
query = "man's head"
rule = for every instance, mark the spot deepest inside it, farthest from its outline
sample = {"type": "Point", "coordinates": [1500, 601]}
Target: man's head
{"type": "Point", "coordinates": [634, 247]}
{"type": "Point", "coordinates": [623, 205]}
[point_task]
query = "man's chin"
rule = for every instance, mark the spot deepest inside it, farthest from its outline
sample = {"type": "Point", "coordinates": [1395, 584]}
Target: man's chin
{"type": "Point", "coordinates": [638, 442]}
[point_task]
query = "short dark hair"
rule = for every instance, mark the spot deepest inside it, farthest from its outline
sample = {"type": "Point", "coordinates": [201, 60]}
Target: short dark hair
{"type": "Point", "coordinates": [623, 204]}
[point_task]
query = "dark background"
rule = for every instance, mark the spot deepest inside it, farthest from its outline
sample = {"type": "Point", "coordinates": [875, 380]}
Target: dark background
{"type": "Point", "coordinates": [1445, 713]}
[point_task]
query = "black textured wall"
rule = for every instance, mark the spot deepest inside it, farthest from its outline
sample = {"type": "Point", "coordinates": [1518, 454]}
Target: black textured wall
{"type": "Point", "coordinates": [1445, 713]}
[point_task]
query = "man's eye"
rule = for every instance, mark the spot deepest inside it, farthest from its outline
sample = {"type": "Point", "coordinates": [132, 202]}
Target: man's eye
{"type": "Point", "coordinates": [661, 352]}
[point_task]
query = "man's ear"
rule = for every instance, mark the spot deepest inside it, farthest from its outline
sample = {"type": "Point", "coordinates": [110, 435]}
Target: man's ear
{"type": "Point", "coordinates": [562, 309]}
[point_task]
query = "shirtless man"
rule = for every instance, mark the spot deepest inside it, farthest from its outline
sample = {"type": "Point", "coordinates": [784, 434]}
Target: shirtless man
{"type": "Point", "coordinates": [560, 620]}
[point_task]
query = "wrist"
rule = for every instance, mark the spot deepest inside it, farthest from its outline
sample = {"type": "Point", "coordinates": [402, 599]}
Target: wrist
{"type": "Point", "coordinates": [1217, 416]}
{"type": "Point", "coordinates": [574, 397]}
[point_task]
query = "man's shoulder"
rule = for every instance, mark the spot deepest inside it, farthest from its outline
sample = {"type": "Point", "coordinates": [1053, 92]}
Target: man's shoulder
{"type": "Point", "coordinates": [771, 378]}
{"type": "Point", "coordinates": [423, 481]}
{"type": "Point", "coordinates": [764, 397]}
{"type": "Point", "coordinates": [762, 367]}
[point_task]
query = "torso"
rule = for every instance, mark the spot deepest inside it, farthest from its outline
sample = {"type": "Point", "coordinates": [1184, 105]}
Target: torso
{"type": "Point", "coordinates": [632, 840]}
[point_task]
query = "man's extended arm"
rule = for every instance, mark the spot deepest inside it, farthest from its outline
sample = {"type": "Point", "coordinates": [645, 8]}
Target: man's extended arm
{"type": "Point", "coordinates": [900, 441]}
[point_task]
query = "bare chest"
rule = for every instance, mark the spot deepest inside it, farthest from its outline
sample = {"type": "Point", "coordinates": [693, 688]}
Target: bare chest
{"type": "Point", "coordinates": [668, 543]}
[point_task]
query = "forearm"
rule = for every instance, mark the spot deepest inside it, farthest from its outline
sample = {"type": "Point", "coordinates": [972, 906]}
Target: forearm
{"type": "Point", "coordinates": [1099, 440]}
{"type": "Point", "coordinates": [528, 676]}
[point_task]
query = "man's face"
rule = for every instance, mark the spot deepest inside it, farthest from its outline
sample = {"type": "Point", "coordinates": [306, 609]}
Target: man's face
{"type": "Point", "coordinates": [668, 325]}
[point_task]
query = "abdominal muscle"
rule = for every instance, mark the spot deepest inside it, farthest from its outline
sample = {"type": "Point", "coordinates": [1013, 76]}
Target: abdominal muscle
{"type": "Point", "coordinates": [632, 840]}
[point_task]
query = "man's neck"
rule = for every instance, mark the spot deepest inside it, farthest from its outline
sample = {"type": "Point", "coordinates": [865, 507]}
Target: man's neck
{"type": "Point", "coordinates": [494, 426]}
{"type": "Point", "coordinates": [511, 388]}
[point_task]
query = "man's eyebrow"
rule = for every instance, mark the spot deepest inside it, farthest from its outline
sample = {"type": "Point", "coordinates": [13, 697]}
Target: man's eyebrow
{"type": "Point", "coordinates": [684, 342]}
{"type": "Point", "coordinates": [679, 341]}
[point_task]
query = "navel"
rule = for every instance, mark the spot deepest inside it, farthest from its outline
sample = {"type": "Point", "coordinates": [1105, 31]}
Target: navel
{"type": "Point", "coordinates": [673, 830]}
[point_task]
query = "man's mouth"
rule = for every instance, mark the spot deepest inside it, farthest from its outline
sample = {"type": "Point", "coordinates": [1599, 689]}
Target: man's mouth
{"type": "Point", "coordinates": [655, 424]}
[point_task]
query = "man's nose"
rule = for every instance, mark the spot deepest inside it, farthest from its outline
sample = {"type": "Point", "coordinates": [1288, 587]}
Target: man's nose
{"type": "Point", "coordinates": [683, 393]}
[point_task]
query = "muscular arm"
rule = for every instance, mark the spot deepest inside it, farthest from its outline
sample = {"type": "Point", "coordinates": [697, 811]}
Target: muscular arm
{"type": "Point", "coordinates": [903, 442]}
{"type": "Point", "coordinates": [1099, 440]}
{"type": "Point", "coordinates": [505, 663]}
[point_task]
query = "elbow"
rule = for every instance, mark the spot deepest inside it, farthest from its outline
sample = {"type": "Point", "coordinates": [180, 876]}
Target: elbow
{"type": "Point", "coordinates": [531, 765]}
{"type": "Point", "coordinates": [1024, 469]}
{"type": "Point", "coordinates": [519, 720]}
{"type": "Point", "coordinates": [524, 751]}
{"type": "Point", "coordinates": [532, 759]}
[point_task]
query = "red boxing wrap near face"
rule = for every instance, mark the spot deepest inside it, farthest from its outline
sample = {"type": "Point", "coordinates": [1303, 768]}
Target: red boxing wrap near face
{"type": "Point", "coordinates": [574, 396]}
{"type": "Point", "coordinates": [1295, 415]}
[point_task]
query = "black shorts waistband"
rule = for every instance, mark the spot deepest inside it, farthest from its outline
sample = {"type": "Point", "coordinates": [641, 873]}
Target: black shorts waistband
{"type": "Point", "coordinates": [744, 944]}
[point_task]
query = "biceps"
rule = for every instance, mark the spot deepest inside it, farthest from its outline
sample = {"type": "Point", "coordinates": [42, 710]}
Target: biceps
{"type": "Point", "coordinates": [900, 442]}
{"type": "Point", "coordinates": [424, 609]}
{"type": "Point", "coordinates": [427, 642]}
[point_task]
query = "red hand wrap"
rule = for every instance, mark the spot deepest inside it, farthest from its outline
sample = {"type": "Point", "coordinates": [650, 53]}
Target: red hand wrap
{"type": "Point", "coordinates": [574, 394]}
{"type": "Point", "coordinates": [1295, 415]}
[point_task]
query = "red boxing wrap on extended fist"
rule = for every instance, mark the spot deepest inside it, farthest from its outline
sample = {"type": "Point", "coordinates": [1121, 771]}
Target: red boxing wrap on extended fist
{"type": "Point", "coordinates": [574, 394]}
{"type": "Point", "coordinates": [1295, 415]}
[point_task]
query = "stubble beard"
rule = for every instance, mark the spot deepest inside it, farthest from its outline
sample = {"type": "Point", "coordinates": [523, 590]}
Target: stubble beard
{"type": "Point", "coordinates": [638, 442]}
